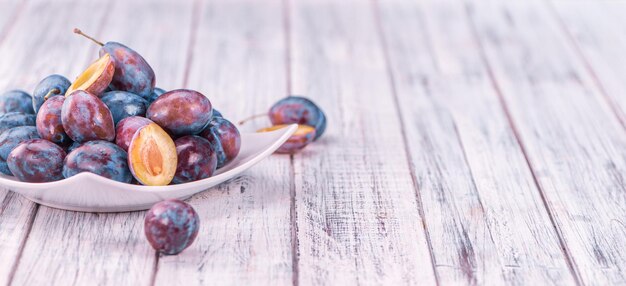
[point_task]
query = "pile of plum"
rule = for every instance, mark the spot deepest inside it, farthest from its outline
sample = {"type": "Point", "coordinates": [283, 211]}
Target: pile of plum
{"type": "Point", "coordinates": [113, 122]}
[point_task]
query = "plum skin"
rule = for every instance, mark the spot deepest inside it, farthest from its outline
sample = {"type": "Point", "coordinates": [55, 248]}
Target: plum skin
{"type": "Point", "coordinates": [300, 110]}
{"type": "Point", "coordinates": [85, 118]}
{"type": "Point", "coordinates": [16, 101]}
{"type": "Point", "coordinates": [48, 122]}
{"type": "Point", "coordinates": [50, 83]}
{"type": "Point", "coordinates": [225, 139]}
{"type": "Point", "coordinates": [126, 129]}
{"type": "Point", "coordinates": [155, 94]}
{"type": "Point", "coordinates": [181, 112]}
{"type": "Point", "coordinates": [196, 159]}
{"type": "Point", "coordinates": [124, 104]}
{"type": "Point", "coordinates": [12, 138]}
{"type": "Point", "coordinates": [171, 226]}
{"type": "Point", "coordinates": [132, 71]}
{"type": "Point", "coordinates": [98, 157]}
{"type": "Point", "coordinates": [15, 119]}
{"type": "Point", "coordinates": [37, 161]}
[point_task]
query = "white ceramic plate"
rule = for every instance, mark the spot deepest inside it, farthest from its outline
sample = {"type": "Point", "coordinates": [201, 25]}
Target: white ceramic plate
{"type": "Point", "coordinates": [88, 192]}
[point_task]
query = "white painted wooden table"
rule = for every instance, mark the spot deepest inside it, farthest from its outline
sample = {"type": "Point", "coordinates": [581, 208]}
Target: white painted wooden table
{"type": "Point", "coordinates": [469, 142]}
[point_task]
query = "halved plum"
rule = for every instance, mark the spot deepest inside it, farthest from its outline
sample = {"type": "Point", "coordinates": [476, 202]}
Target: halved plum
{"type": "Point", "coordinates": [301, 138]}
{"type": "Point", "coordinates": [152, 156]}
{"type": "Point", "coordinates": [96, 78]}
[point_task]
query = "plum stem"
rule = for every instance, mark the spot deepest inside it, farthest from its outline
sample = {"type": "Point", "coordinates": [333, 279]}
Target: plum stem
{"type": "Point", "coordinates": [242, 122]}
{"type": "Point", "coordinates": [54, 91]}
{"type": "Point", "coordinates": [78, 31]}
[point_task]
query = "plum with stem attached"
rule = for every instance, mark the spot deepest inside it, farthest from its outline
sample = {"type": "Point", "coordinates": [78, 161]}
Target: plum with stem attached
{"type": "Point", "coordinates": [132, 71]}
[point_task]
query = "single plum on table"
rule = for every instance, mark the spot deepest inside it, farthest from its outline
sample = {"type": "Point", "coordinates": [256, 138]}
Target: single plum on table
{"type": "Point", "coordinates": [15, 119]}
{"type": "Point", "coordinates": [96, 78]}
{"type": "Point", "coordinates": [181, 112]}
{"type": "Point", "coordinates": [10, 139]}
{"type": "Point", "coordinates": [171, 226]}
{"type": "Point", "coordinates": [225, 139]}
{"type": "Point", "coordinates": [101, 158]}
{"type": "Point", "coordinates": [49, 124]}
{"type": "Point", "coordinates": [299, 110]}
{"type": "Point", "coordinates": [16, 101]}
{"type": "Point", "coordinates": [85, 118]}
{"type": "Point", "coordinates": [132, 71]}
{"type": "Point", "coordinates": [301, 138]}
{"type": "Point", "coordinates": [36, 161]}
{"type": "Point", "coordinates": [152, 156]}
{"type": "Point", "coordinates": [48, 87]}
{"type": "Point", "coordinates": [127, 128]}
{"type": "Point", "coordinates": [196, 159]}
{"type": "Point", "coordinates": [124, 104]}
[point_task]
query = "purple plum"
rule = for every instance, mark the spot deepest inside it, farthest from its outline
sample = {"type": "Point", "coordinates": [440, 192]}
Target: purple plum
{"type": "Point", "coordinates": [36, 161]}
{"type": "Point", "coordinates": [171, 226]}
{"type": "Point", "coordinates": [101, 158]}
{"type": "Point", "coordinates": [196, 159]}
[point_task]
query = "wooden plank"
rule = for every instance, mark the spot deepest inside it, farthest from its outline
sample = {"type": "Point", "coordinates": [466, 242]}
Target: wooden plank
{"type": "Point", "coordinates": [598, 32]}
{"type": "Point", "coordinates": [245, 236]}
{"type": "Point", "coordinates": [485, 216]}
{"type": "Point", "coordinates": [28, 38]}
{"type": "Point", "coordinates": [573, 141]}
{"type": "Point", "coordinates": [356, 206]}
{"type": "Point", "coordinates": [70, 248]}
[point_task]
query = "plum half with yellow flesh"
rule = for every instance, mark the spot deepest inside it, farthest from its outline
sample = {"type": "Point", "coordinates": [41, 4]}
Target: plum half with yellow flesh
{"type": "Point", "coordinates": [152, 156]}
{"type": "Point", "coordinates": [301, 138]}
{"type": "Point", "coordinates": [96, 78]}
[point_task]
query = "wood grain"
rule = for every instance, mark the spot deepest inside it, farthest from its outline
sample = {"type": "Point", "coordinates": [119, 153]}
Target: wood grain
{"type": "Point", "coordinates": [357, 212]}
{"type": "Point", "coordinates": [245, 235]}
{"type": "Point", "coordinates": [80, 248]}
{"type": "Point", "coordinates": [484, 213]}
{"type": "Point", "coordinates": [573, 141]}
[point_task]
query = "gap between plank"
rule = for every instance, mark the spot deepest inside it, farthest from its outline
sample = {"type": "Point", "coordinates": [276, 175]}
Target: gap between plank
{"type": "Point", "coordinates": [579, 53]}
{"type": "Point", "coordinates": [293, 215]}
{"type": "Point", "coordinates": [195, 22]}
{"type": "Point", "coordinates": [494, 83]}
{"type": "Point", "coordinates": [391, 78]}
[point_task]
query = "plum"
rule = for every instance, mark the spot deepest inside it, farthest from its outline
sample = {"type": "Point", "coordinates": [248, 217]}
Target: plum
{"type": "Point", "coordinates": [36, 161]}
{"type": "Point", "coordinates": [152, 156]}
{"type": "Point", "coordinates": [155, 94]}
{"type": "Point", "coordinates": [49, 123]}
{"type": "Point", "coordinates": [126, 129]}
{"type": "Point", "coordinates": [225, 139]}
{"type": "Point", "coordinates": [48, 87]}
{"type": "Point", "coordinates": [171, 226]}
{"type": "Point", "coordinates": [96, 78]}
{"type": "Point", "coordinates": [132, 71]}
{"type": "Point", "coordinates": [217, 113]}
{"type": "Point", "coordinates": [85, 118]}
{"type": "Point", "coordinates": [124, 104]}
{"type": "Point", "coordinates": [72, 146]}
{"type": "Point", "coordinates": [101, 158]}
{"type": "Point", "coordinates": [15, 119]}
{"type": "Point", "coordinates": [10, 139]}
{"type": "Point", "coordinates": [181, 112]}
{"type": "Point", "coordinates": [196, 159]}
{"type": "Point", "coordinates": [301, 138]}
{"type": "Point", "coordinates": [16, 101]}
{"type": "Point", "coordinates": [300, 110]}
